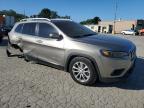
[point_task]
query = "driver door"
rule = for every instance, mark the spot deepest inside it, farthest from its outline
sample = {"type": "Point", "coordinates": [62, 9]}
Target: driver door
{"type": "Point", "coordinates": [49, 49]}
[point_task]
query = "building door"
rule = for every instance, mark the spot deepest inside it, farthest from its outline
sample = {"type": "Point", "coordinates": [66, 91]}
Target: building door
{"type": "Point", "coordinates": [133, 26]}
{"type": "Point", "coordinates": [99, 28]}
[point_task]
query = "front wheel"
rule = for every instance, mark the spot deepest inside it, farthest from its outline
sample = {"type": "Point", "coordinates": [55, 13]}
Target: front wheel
{"type": "Point", "coordinates": [123, 33]}
{"type": "Point", "coordinates": [83, 71]}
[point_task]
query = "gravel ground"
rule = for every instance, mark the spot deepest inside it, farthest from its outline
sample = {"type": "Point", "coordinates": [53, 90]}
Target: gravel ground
{"type": "Point", "coordinates": [29, 85]}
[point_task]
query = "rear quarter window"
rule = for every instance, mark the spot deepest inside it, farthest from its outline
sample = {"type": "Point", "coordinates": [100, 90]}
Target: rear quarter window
{"type": "Point", "coordinates": [19, 28]}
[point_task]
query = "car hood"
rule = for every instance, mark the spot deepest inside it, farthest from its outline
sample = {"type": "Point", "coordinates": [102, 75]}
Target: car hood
{"type": "Point", "coordinates": [109, 42]}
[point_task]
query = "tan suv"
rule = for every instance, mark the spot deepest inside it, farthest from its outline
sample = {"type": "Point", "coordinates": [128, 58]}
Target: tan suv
{"type": "Point", "coordinates": [72, 47]}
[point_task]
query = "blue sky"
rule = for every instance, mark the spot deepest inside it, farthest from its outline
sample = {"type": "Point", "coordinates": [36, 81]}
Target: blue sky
{"type": "Point", "coordinates": [80, 9]}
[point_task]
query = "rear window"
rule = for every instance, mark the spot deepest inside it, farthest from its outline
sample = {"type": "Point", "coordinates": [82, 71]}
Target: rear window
{"type": "Point", "coordinates": [29, 28]}
{"type": "Point", "coordinates": [19, 28]}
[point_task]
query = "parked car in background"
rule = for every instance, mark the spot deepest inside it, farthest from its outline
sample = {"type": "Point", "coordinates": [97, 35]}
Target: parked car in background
{"type": "Point", "coordinates": [6, 30]}
{"type": "Point", "coordinates": [128, 32]}
{"type": "Point", "coordinates": [1, 33]}
{"type": "Point", "coordinates": [141, 32]}
{"type": "Point", "coordinates": [67, 45]}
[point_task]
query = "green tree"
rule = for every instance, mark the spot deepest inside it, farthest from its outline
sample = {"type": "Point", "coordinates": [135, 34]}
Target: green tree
{"type": "Point", "coordinates": [54, 14]}
{"type": "Point", "coordinates": [8, 12]}
{"type": "Point", "coordinates": [18, 17]}
{"type": "Point", "coordinates": [65, 17]}
{"type": "Point", "coordinates": [45, 13]}
{"type": "Point", "coordinates": [13, 13]}
{"type": "Point", "coordinates": [33, 16]}
{"type": "Point", "coordinates": [95, 20]}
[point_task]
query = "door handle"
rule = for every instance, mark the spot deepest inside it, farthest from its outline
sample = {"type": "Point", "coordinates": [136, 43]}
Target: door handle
{"type": "Point", "coordinates": [20, 38]}
{"type": "Point", "coordinates": [39, 41]}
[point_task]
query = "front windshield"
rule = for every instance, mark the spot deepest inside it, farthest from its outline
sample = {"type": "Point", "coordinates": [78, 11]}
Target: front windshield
{"type": "Point", "coordinates": [73, 29]}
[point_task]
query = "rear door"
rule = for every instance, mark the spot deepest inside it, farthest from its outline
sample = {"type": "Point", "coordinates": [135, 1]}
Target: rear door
{"type": "Point", "coordinates": [28, 39]}
{"type": "Point", "coordinates": [49, 49]}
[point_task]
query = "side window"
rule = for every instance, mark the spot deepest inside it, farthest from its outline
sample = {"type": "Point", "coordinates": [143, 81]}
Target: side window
{"type": "Point", "coordinates": [29, 28]}
{"type": "Point", "coordinates": [19, 28]}
{"type": "Point", "coordinates": [45, 29]}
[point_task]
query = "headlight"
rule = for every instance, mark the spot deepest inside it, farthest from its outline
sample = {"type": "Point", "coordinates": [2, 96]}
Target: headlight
{"type": "Point", "coordinates": [114, 54]}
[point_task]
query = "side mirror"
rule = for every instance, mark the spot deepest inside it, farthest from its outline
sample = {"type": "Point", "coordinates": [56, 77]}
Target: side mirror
{"type": "Point", "coordinates": [55, 36]}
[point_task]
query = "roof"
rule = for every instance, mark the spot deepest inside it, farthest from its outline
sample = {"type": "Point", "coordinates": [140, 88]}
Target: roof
{"type": "Point", "coordinates": [44, 19]}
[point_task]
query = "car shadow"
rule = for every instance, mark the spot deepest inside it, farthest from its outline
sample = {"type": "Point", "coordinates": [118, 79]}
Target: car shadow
{"type": "Point", "coordinates": [134, 82]}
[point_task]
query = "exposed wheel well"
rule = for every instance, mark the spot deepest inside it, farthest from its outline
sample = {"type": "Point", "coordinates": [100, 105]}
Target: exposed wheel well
{"type": "Point", "coordinates": [15, 46]}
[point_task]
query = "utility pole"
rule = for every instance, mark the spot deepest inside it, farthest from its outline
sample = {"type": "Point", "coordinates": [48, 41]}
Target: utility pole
{"type": "Point", "coordinates": [24, 14]}
{"type": "Point", "coordinates": [115, 17]}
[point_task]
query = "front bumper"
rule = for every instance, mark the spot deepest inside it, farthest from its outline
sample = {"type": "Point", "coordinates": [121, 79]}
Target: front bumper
{"type": "Point", "coordinates": [123, 77]}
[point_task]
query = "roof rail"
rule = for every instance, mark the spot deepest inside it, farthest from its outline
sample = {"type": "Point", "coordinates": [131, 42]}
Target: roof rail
{"type": "Point", "coordinates": [35, 19]}
{"type": "Point", "coordinates": [62, 19]}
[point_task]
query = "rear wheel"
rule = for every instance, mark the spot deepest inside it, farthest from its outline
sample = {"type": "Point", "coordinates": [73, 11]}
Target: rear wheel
{"type": "Point", "coordinates": [123, 33]}
{"type": "Point", "coordinates": [26, 58]}
{"type": "Point", "coordinates": [134, 34]}
{"type": "Point", "coordinates": [7, 51]}
{"type": "Point", "coordinates": [14, 50]}
{"type": "Point", "coordinates": [83, 71]}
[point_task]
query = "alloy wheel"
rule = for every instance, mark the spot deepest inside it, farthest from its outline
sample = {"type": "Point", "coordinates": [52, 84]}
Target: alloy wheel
{"type": "Point", "coordinates": [81, 71]}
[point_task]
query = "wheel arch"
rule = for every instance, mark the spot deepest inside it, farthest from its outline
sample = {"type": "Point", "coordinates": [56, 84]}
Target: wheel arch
{"type": "Point", "coordinates": [73, 55]}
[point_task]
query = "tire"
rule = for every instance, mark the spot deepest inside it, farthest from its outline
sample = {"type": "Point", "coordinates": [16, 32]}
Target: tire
{"type": "Point", "coordinates": [8, 53]}
{"type": "Point", "coordinates": [123, 33]}
{"type": "Point", "coordinates": [26, 58]}
{"type": "Point", "coordinates": [134, 34]}
{"type": "Point", "coordinates": [88, 76]}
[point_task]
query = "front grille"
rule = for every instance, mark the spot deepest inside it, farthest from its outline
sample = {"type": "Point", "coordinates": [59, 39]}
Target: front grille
{"type": "Point", "coordinates": [132, 54]}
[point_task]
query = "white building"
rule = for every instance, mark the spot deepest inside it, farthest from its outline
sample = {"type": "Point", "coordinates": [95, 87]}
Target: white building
{"type": "Point", "coordinates": [101, 28]}
{"type": "Point", "coordinates": [120, 25]}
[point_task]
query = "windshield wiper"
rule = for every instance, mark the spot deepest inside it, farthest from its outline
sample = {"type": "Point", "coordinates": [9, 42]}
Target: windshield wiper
{"type": "Point", "coordinates": [89, 34]}
{"type": "Point", "coordinates": [85, 35]}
